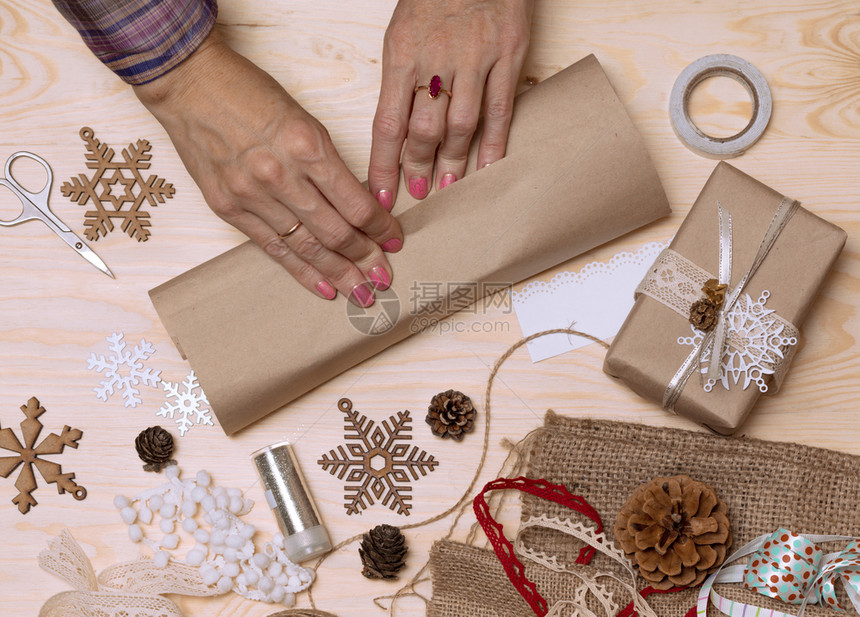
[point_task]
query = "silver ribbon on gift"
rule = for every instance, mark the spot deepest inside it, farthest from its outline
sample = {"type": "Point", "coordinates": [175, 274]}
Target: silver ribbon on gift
{"type": "Point", "coordinates": [713, 343]}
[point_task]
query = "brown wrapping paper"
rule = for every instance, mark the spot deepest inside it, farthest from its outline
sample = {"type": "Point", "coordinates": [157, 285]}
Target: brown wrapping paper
{"type": "Point", "coordinates": [645, 354]}
{"type": "Point", "coordinates": [576, 175]}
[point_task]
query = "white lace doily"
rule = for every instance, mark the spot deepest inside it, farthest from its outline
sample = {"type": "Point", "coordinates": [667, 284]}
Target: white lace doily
{"type": "Point", "coordinates": [596, 299]}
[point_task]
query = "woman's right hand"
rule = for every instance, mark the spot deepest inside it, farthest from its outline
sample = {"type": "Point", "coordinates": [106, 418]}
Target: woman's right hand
{"type": "Point", "coordinates": [266, 166]}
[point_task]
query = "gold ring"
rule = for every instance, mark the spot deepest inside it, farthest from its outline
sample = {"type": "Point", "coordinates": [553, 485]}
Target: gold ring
{"type": "Point", "coordinates": [290, 231]}
{"type": "Point", "coordinates": [434, 88]}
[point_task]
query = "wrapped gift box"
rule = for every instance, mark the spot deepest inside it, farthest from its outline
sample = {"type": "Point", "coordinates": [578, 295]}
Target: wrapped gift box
{"type": "Point", "coordinates": [657, 336]}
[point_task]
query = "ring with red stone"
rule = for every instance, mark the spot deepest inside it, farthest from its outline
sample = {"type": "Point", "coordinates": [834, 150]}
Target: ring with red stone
{"type": "Point", "coordinates": [434, 88]}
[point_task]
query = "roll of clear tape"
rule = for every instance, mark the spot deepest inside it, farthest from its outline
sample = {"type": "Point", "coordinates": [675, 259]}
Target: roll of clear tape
{"type": "Point", "coordinates": [720, 65]}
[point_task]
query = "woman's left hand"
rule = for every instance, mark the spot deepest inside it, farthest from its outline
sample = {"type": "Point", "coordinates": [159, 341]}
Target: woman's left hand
{"type": "Point", "coordinates": [477, 48]}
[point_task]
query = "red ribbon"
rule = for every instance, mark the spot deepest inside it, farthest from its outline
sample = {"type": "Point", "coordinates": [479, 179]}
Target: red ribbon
{"type": "Point", "coordinates": [628, 611]}
{"type": "Point", "coordinates": [504, 550]}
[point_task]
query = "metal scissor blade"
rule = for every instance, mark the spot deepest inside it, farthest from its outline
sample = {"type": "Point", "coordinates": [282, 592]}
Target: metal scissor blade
{"type": "Point", "coordinates": [90, 255]}
{"type": "Point", "coordinates": [35, 207]}
{"type": "Point", "coordinates": [83, 250]}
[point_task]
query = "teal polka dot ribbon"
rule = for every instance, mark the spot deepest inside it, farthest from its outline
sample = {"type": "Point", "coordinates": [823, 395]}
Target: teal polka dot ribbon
{"type": "Point", "coordinates": [791, 568]}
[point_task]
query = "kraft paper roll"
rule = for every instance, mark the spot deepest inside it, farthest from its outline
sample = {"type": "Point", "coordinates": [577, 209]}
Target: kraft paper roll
{"type": "Point", "coordinates": [576, 175]}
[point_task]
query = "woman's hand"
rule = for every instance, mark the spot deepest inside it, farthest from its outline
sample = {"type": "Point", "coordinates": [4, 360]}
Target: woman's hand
{"type": "Point", "coordinates": [477, 47]}
{"type": "Point", "coordinates": [268, 167]}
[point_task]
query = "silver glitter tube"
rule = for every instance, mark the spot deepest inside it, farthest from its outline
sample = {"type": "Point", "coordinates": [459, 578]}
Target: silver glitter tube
{"type": "Point", "coordinates": [287, 495]}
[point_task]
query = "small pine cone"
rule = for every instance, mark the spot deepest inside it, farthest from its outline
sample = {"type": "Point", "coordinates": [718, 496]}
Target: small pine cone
{"type": "Point", "coordinates": [154, 446]}
{"type": "Point", "coordinates": [675, 530]}
{"type": "Point", "coordinates": [382, 551]}
{"type": "Point", "coordinates": [703, 315]}
{"type": "Point", "coordinates": [451, 414]}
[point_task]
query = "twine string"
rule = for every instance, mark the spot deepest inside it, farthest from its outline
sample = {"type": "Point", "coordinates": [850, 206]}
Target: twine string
{"type": "Point", "coordinates": [464, 502]}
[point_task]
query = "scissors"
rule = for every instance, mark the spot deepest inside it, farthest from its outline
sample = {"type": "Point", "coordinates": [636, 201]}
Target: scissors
{"type": "Point", "coordinates": [35, 207]}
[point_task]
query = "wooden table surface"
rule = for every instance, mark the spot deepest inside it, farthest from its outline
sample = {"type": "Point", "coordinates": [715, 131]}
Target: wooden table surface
{"type": "Point", "coordinates": [55, 309]}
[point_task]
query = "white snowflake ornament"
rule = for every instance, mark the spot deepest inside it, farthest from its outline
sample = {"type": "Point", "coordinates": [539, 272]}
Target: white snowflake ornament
{"type": "Point", "coordinates": [124, 370]}
{"type": "Point", "coordinates": [187, 407]}
{"type": "Point", "coordinates": [755, 344]}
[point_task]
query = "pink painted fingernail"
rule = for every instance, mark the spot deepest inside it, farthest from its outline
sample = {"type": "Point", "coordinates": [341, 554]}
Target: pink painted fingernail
{"type": "Point", "coordinates": [362, 295]}
{"type": "Point", "coordinates": [380, 278]}
{"type": "Point", "coordinates": [325, 288]}
{"type": "Point", "coordinates": [418, 188]}
{"type": "Point", "coordinates": [446, 180]}
{"type": "Point", "coordinates": [384, 199]}
{"type": "Point", "coordinates": [392, 246]}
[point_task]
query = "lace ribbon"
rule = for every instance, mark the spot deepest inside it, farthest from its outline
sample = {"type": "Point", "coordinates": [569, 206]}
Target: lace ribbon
{"type": "Point", "coordinates": [131, 588]}
{"type": "Point", "coordinates": [593, 538]}
{"type": "Point", "coordinates": [675, 281]}
{"type": "Point", "coordinates": [504, 549]}
{"type": "Point", "coordinates": [599, 591]}
{"type": "Point", "coordinates": [791, 568]}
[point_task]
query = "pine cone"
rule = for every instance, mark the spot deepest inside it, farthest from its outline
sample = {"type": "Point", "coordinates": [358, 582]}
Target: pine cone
{"type": "Point", "coordinates": [451, 414]}
{"type": "Point", "coordinates": [675, 530]}
{"type": "Point", "coordinates": [154, 446]}
{"type": "Point", "coordinates": [703, 315]}
{"type": "Point", "coordinates": [382, 551]}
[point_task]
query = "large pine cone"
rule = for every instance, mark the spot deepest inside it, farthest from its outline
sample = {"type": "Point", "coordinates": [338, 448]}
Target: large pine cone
{"type": "Point", "coordinates": [451, 414]}
{"type": "Point", "coordinates": [675, 530]}
{"type": "Point", "coordinates": [154, 446]}
{"type": "Point", "coordinates": [382, 551]}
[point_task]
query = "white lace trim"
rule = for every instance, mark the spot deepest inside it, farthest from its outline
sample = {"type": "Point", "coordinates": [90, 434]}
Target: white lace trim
{"type": "Point", "coordinates": [133, 588]}
{"type": "Point", "coordinates": [641, 257]}
{"type": "Point", "coordinates": [590, 584]}
{"type": "Point", "coordinates": [674, 281]}
{"type": "Point", "coordinates": [597, 299]}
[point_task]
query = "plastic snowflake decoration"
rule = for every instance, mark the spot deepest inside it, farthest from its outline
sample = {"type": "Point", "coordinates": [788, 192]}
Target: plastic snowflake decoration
{"type": "Point", "coordinates": [378, 459]}
{"type": "Point", "coordinates": [29, 452]}
{"type": "Point", "coordinates": [187, 404]}
{"type": "Point", "coordinates": [113, 185]}
{"type": "Point", "coordinates": [124, 370]}
{"type": "Point", "coordinates": [754, 347]}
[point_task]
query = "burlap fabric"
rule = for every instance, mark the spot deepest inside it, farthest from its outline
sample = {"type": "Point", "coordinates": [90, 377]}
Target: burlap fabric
{"type": "Point", "coordinates": [765, 485]}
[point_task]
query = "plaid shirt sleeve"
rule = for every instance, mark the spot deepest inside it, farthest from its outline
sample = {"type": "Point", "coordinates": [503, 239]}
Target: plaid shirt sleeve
{"type": "Point", "coordinates": [140, 40]}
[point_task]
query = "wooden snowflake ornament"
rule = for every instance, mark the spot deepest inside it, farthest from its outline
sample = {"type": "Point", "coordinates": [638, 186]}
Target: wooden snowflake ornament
{"type": "Point", "coordinates": [29, 452]}
{"type": "Point", "coordinates": [115, 184]}
{"type": "Point", "coordinates": [376, 462]}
